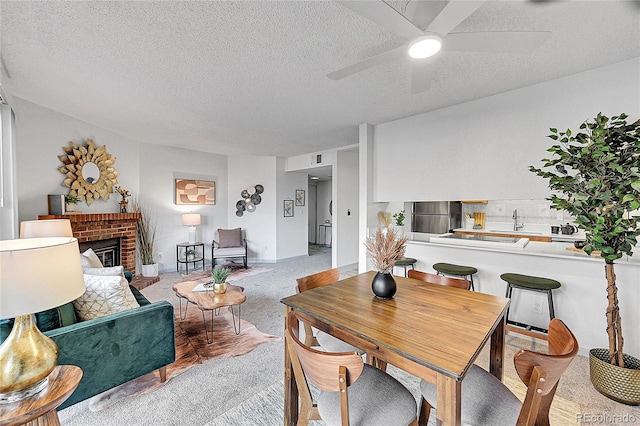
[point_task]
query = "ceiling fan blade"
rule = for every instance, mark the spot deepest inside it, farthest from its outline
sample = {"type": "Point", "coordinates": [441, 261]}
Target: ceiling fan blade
{"type": "Point", "coordinates": [421, 75]}
{"type": "Point", "coordinates": [422, 13]}
{"type": "Point", "coordinates": [367, 63]}
{"type": "Point", "coordinates": [452, 15]}
{"type": "Point", "coordinates": [385, 16]}
{"type": "Point", "coordinates": [500, 41]}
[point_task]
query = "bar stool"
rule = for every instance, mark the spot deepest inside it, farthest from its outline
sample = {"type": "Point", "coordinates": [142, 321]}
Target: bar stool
{"type": "Point", "coordinates": [528, 282]}
{"type": "Point", "coordinates": [405, 262]}
{"type": "Point", "coordinates": [456, 271]}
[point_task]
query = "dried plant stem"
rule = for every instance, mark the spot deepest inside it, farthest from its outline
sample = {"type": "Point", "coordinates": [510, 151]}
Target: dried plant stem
{"type": "Point", "coordinates": [385, 248]}
{"type": "Point", "coordinates": [384, 218]}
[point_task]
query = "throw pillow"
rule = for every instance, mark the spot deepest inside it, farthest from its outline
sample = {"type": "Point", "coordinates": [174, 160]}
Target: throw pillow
{"type": "Point", "coordinates": [90, 259]}
{"type": "Point", "coordinates": [105, 295]}
{"type": "Point", "coordinates": [56, 317]}
{"type": "Point", "coordinates": [230, 238]}
{"type": "Point", "coordinates": [112, 271]}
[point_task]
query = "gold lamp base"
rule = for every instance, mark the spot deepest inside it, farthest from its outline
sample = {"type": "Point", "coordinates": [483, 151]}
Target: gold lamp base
{"type": "Point", "coordinates": [27, 358]}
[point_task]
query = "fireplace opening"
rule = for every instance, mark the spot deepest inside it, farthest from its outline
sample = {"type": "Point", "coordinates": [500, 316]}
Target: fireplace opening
{"type": "Point", "coordinates": [108, 251]}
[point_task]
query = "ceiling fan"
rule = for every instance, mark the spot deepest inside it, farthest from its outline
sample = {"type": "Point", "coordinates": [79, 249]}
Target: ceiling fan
{"type": "Point", "coordinates": [430, 24]}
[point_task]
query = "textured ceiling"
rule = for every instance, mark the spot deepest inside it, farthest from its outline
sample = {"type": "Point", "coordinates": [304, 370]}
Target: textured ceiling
{"type": "Point", "coordinates": [250, 77]}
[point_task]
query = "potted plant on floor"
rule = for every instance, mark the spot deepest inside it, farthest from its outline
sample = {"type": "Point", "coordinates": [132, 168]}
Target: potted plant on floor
{"type": "Point", "coordinates": [595, 174]}
{"type": "Point", "coordinates": [145, 240]}
{"type": "Point", "coordinates": [384, 248]}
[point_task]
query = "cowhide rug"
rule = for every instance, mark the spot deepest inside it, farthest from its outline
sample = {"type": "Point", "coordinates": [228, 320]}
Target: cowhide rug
{"type": "Point", "coordinates": [191, 349]}
{"type": "Point", "coordinates": [238, 273]}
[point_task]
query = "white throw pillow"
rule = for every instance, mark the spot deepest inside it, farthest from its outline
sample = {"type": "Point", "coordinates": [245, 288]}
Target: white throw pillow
{"type": "Point", "coordinates": [105, 295]}
{"type": "Point", "coordinates": [90, 260]}
{"type": "Point", "coordinates": [112, 271]}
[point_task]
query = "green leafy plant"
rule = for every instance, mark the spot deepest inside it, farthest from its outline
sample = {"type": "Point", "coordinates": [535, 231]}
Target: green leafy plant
{"type": "Point", "coordinates": [146, 234]}
{"type": "Point", "coordinates": [190, 252]}
{"type": "Point", "coordinates": [71, 199]}
{"type": "Point", "coordinates": [596, 176]}
{"type": "Point", "coordinates": [399, 218]}
{"type": "Point", "coordinates": [220, 274]}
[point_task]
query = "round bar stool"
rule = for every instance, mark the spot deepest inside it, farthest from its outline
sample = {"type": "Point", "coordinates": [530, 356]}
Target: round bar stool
{"type": "Point", "coordinates": [456, 271]}
{"type": "Point", "coordinates": [528, 282]}
{"type": "Point", "coordinates": [405, 262]}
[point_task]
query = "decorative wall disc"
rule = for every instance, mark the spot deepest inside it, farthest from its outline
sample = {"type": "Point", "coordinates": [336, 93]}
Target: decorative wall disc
{"type": "Point", "coordinates": [250, 199]}
{"type": "Point", "coordinates": [244, 193]}
{"type": "Point", "coordinates": [256, 199]}
{"type": "Point", "coordinates": [239, 213]}
{"type": "Point", "coordinates": [259, 189]}
{"type": "Point", "coordinates": [251, 208]}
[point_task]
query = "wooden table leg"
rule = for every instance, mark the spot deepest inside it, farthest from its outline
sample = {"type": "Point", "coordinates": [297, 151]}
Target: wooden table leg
{"type": "Point", "coordinates": [290, 387]}
{"type": "Point", "coordinates": [496, 356]}
{"type": "Point", "coordinates": [449, 396]}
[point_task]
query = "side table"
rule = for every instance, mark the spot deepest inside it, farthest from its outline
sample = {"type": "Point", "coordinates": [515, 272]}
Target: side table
{"type": "Point", "coordinates": [181, 255]}
{"type": "Point", "coordinates": [40, 409]}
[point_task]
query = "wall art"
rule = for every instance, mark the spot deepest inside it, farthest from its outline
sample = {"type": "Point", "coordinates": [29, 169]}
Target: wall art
{"type": "Point", "coordinates": [251, 197]}
{"type": "Point", "coordinates": [190, 191]}
{"type": "Point", "coordinates": [300, 197]}
{"type": "Point", "coordinates": [288, 208]}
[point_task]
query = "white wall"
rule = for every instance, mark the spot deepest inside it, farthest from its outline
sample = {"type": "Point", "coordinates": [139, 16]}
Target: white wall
{"type": "Point", "coordinates": [40, 135]}
{"type": "Point", "coordinates": [482, 149]}
{"type": "Point", "coordinates": [246, 171]}
{"type": "Point", "coordinates": [292, 235]}
{"type": "Point", "coordinates": [346, 210]}
{"type": "Point", "coordinates": [8, 192]}
{"type": "Point", "coordinates": [159, 167]}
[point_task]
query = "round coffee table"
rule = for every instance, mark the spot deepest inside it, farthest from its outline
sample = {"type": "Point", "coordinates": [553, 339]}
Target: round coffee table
{"type": "Point", "coordinates": [207, 300]}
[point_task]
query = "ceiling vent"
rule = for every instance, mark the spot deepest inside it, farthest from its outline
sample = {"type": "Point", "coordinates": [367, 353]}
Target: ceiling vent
{"type": "Point", "coordinates": [316, 159]}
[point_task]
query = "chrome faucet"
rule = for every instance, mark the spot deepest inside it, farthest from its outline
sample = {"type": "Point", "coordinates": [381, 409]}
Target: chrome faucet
{"type": "Point", "coordinates": [516, 226]}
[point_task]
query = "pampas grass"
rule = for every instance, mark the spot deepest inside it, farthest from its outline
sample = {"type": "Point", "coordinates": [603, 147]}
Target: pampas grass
{"type": "Point", "coordinates": [384, 218]}
{"type": "Point", "coordinates": [385, 248]}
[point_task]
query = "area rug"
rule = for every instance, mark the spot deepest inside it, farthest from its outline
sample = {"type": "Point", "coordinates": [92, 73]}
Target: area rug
{"type": "Point", "coordinates": [191, 349]}
{"type": "Point", "coordinates": [236, 274]}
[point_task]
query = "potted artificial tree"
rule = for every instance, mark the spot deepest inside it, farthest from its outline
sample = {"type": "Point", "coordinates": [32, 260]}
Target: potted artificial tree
{"type": "Point", "coordinates": [146, 235]}
{"type": "Point", "coordinates": [595, 174]}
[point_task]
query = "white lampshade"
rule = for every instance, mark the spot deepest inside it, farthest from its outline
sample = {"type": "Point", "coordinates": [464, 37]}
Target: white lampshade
{"type": "Point", "coordinates": [424, 46]}
{"type": "Point", "coordinates": [191, 219]}
{"type": "Point", "coordinates": [46, 228]}
{"type": "Point", "coordinates": [38, 274]}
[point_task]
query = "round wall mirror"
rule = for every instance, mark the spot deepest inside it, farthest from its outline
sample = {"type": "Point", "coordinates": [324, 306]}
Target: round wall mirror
{"type": "Point", "coordinates": [89, 171]}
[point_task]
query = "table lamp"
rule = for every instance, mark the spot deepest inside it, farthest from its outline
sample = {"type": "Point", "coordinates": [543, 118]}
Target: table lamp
{"type": "Point", "coordinates": [37, 274]}
{"type": "Point", "coordinates": [191, 220]}
{"type": "Point", "coordinates": [45, 228]}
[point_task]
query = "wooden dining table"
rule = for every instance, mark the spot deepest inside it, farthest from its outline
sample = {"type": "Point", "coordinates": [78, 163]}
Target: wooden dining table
{"type": "Point", "coordinates": [428, 330]}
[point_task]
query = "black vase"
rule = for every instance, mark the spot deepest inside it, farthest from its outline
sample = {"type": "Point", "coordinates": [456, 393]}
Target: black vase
{"type": "Point", "coordinates": [383, 285]}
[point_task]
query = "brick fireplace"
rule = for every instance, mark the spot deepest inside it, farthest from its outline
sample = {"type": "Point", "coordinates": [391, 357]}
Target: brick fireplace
{"type": "Point", "coordinates": [103, 226]}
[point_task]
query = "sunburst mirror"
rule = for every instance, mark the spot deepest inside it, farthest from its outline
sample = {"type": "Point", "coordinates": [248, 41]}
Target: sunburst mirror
{"type": "Point", "coordinates": [89, 171]}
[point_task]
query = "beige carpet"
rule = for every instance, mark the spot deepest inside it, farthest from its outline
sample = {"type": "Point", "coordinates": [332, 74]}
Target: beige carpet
{"type": "Point", "coordinates": [191, 349]}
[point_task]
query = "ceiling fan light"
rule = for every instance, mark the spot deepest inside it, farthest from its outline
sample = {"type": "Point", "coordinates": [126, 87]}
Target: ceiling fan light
{"type": "Point", "coordinates": [425, 46]}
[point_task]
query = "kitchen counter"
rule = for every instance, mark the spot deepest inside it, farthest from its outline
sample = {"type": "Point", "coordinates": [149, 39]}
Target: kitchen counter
{"type": "Point", "coordinates": [580, 302]}
{"type": "Point", "coordinates": [533, 248]}
{"type": "Point", "coordinates": [535, 233]}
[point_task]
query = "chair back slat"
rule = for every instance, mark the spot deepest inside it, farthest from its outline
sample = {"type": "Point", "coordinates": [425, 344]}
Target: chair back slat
{"type": "Point", "coordinates": [318, 279]}
{"type": "Point", "coordinates": [553, 364]}
{"type": "Point", "coordinates": [322, 368]}
{"type": "Point", "coordinates": [439, 279]}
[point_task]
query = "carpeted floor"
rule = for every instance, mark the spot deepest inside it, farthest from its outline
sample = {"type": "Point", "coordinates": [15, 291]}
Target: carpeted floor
{"type": "Point", "coordinates": [247, 389]}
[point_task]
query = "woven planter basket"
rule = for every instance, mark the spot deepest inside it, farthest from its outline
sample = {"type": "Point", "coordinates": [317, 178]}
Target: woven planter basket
{"type": "Point", "coordinates": [619, 384]}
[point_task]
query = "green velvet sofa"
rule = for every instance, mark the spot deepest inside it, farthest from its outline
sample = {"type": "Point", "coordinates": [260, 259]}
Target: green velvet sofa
{"type": "Point", "coordinates": [116, 348]}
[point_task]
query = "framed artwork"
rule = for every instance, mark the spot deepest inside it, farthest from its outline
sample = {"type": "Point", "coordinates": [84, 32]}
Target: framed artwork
{"type": "Point", "coordinates": [288, 208]}
{"type": "Point", "coordinates": [300, 197]}
{"type": "Point", "coordinates": [189, 191]}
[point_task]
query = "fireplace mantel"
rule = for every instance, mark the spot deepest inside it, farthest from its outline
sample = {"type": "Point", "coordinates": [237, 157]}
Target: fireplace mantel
{"type": "Point", "coordinates": [88, 227]}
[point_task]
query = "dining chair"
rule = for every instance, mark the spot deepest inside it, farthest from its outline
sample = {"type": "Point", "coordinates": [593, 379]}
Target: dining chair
{"type": "Point", "coordinates": [440, 279]}
{"type": "Point", "coordinates": [351, 392]}
{"type": "Point", "coordinates": [487, 401]}
{"type": "Point", "coordinates": [317, 337]}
